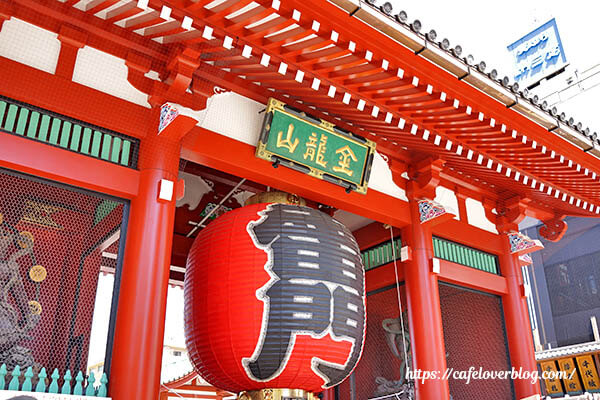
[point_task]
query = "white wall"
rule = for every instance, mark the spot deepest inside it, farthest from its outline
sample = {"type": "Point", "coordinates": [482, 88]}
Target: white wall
{"type": "Point", "coordinates": [28, 44]}
{"type": "Point", "coordinates": [476, 216]}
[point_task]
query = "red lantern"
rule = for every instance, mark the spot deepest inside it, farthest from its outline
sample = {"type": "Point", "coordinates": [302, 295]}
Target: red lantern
{"type": "Point", "coordinates": [274, 298]}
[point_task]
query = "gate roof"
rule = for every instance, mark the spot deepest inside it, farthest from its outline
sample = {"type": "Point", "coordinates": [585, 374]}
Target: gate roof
{"type": "Point", "coordinates": [351, 64]}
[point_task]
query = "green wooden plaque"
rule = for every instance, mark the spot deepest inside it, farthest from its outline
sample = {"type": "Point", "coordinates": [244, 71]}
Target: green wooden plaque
{"type": "Point", "coordinates": [316, 147]}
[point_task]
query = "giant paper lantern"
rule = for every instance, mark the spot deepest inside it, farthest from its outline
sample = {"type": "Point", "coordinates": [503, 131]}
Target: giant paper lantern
{"type": "Point", "coordinates": [274, 298]}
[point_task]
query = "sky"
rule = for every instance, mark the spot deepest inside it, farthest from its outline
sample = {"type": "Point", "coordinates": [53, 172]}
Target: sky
{"type": "Point", "coordinates": [484, 29]}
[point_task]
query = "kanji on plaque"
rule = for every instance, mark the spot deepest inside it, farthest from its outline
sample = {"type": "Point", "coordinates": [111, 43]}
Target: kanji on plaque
{"type": "Point", "coordinates": [589, 374]}
{"type": "Point", "coordinates": [288, 142]}
{"type": "Point", "coordinates": [571, 382]}
{"type": "Point", "coordinates": [318, 148]}
{"type": "Point", "coordinates": [552, 383]}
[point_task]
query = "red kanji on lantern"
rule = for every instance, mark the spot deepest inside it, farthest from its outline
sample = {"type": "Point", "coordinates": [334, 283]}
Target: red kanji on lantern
{"type": "Point", "coordinates": [274, 298]}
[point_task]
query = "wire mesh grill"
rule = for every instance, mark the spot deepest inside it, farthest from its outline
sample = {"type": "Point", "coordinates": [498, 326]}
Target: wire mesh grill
{"type": "Point", "coordinates": [474, 336]}
{"type": "Point", "coordinates": [58, 251]}
{"type": "Point", "coordinates": [381, 370]}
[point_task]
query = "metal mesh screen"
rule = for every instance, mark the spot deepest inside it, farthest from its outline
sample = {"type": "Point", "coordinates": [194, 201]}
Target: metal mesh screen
{"type": "Point", "coordinates": [58, 253]}
{"type": "Point", "coordinates": [381, 369]}
{"type": "Point", "coordinates": [474, 336]}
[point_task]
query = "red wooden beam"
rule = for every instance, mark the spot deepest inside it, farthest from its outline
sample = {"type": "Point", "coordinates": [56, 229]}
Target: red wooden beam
{"type": "Point", "coordinates": [383, 276]}
{"type": "Point", "coordinates": [49, 162]}
{"type": "Point", "coordinates": [454, 230]}
{"type": "Point", "coordinates": [472, 278]}
{"type": "Point", "coordinates": [220, 152]}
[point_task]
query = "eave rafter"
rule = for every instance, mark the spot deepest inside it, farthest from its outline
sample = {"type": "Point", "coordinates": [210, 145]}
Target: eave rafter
{"type": "Point", "coordinates": [317, 58]}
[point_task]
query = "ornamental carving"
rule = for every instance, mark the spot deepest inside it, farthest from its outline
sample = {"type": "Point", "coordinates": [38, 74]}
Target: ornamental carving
{"type": "Point", "coordinates": [520, 243]}
{"type": "Point", "coordinates": [168, 112]}
{"type": "Point", "coordinates": [429, 209]}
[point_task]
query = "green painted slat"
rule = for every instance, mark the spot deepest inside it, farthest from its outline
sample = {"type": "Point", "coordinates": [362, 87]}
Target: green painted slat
{"type": "Point", "coordinates": [436, 248]}
{"type": "Point", "coordinates": [44, 125]}
{"type": "Point", "coordinates": [11, 117]}
{"type": "Point", "coordinates": [445, 250]}
{"type": "Point", "coordinates": [105, 154]}
{"type": "Point", "coordinates": [125, 152]}
{"type": "Point", "coordinates": [459, 254]}
{"type": "Point", "coordinates": [116, 149]}
{"type": "Point", "coordinates": [89, 389]}
{"type": "Point", "coordinates": [381, 254]}
{"type": "Point", "coordinates": [75, 137]}
{"type": "Point", "coordinates": [22, 122]}
{"type": "Point", "coordinates": [470, 259]}
{"type": "Point", "coordinates": [86, 141]}
{"type": "Point", "coordinates": [3, 372]}
{"type": "Point", "coordinates": [66, 387]}
{"type": "Point", "coordinates": [453, 255]}
{"type": "Point", "coordinates": [96, 143]}
{"type": "Point", "coordinates": [439, 253]}
{"type": "Point", "coordinates": [488, 264]}
{"type": "Point", "coordinates": [78, 389]}
{"type": "Point", "coordinates": [27, 385]}
{"type": "Point", "coordinates": [493, 265]}
{"type": "Point", "coordinates": [53, 388]}
{"type": "Point", "coordinates": [480, 262]}
{"type": "Point", "coordinates": [103, 388]}
{"type": "Point", "coordinates": [65, 135]}
{"type": "Point", "coordinates": [34, 120]}
{"type": "Point", "coordinates": [14, 382]}
{"type": "Point", "coordinates": [41, 385]}
{"type": "Point", "coordinates": [2, 110]}
{"type": "Point", "coordinates": [372, 257]}
{"type": "Point", "coordinates": [55, 131]}
{"type": "Point", "coordinates": [485, 263]}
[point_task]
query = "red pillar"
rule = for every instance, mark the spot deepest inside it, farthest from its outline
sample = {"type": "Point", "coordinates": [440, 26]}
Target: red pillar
{"type": "Point", "coordinates": [424, 313]}
{"type": "Point", "coordinates": [518, 327]}
{"type": "Point", "coordinates": [140, 322]}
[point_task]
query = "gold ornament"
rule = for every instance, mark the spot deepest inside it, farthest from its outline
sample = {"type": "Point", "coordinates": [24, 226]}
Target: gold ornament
{"type": "Point", "coordinates": [276, 197]}
{"type": "Point", "coordinates": [35, 307]}
{"type": "Point", "coordinates": [38, 273]}
{"type": "Point", "coordinates": [26, 239]}
{"type": "Point", "coordinates": [1, 218]}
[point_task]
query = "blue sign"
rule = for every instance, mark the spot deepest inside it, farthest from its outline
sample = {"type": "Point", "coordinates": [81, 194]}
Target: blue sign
{"type": "Point", "coordinates": [538, 54]}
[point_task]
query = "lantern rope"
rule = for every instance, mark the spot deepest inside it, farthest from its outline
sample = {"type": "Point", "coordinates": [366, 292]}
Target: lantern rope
{"type": "Point", "coordinates": [399, 297]}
